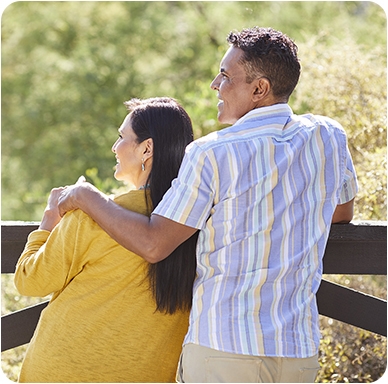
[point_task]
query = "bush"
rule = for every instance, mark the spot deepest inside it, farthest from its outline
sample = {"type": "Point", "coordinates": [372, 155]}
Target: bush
{"type": "Point", "coordinates": [344, 81]}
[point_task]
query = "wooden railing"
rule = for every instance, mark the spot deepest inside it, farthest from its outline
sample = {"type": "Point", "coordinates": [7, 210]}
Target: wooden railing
{"type": "Point", "coordinates": [352, 249]}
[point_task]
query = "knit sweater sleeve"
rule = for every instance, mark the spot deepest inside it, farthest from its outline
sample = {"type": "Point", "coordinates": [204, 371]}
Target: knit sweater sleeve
{"type": "Point", "coordinates": [49, 262]}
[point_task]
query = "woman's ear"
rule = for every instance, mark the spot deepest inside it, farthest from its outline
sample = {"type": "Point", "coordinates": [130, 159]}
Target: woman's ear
{"type": "Point", "coordinates": [148, 149]}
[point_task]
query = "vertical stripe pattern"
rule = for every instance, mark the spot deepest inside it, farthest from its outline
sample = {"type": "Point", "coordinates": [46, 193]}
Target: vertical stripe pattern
{"type": "Point", "coordinates": [262, 192]}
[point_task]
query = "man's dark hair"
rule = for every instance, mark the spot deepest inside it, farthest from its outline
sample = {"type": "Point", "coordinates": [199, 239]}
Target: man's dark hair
{"type": "Point", "coordinates": [271, 54]}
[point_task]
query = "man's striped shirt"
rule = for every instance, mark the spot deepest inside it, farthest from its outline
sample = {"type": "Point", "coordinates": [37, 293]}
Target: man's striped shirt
{"type": "Point", "coordinates": [263, 193]}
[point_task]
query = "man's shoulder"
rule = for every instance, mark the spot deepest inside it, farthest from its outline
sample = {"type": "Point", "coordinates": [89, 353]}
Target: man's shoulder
{"type": "Point", "coordinates": [320, 120]}
{"type": "Point", "coordinates": [224, 136]}
{"type": "Point", "coordinates": [211, 140]}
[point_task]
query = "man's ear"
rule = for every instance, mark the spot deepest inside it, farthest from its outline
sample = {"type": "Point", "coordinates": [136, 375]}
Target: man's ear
{"type": "Point", "coordinates": [262, 88]}
{"type": "Point", "coordinates": [148, 149]}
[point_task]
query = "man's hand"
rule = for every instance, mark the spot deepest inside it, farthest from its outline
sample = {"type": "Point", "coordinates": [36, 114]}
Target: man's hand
{"type": "Point", "coordinates": [51, 215]}
{"type": "Point", "coordinates": [71, 196]}
{"type": "Point", "coordinates": [343, 214]}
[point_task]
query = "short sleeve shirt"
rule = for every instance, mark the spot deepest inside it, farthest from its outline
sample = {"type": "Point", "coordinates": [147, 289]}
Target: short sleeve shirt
{"type": "Point", "coordinates": [262, 193]}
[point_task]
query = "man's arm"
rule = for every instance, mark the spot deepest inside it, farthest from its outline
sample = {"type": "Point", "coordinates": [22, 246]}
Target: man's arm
{"type": "Point", "coordinates": [343, 213]}
{"type": "Point", "coordinates": [151, 238]}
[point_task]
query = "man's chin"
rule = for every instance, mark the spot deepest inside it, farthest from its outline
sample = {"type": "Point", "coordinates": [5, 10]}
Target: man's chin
{"type": "Point", "coordinates": [224, 120]}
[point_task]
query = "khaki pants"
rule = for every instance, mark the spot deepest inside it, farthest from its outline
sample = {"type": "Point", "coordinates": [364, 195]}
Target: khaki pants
{"type": "Point", "coordinates": [204, 365]}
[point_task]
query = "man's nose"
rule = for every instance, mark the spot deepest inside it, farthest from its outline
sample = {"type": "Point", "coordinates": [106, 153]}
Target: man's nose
{"type": "Point", "coordinates": [215, 83]}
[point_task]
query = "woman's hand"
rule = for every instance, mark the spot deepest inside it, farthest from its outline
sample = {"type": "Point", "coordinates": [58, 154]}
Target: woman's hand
{"type": "Point", "coordinates": [51, 215]}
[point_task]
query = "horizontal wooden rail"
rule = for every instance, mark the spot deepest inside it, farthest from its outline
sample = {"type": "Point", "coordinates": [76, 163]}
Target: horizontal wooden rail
{"type": "Point", "coordinates": [352, 307]}
{"type": "Point", "coordinates": [356, 248]}
{"type": "Point", "coordinates": [359, 248]}
{"type": "Point", "coordinates": [18, 327]}
{"type": "Point", "coordinates": [13, 239]}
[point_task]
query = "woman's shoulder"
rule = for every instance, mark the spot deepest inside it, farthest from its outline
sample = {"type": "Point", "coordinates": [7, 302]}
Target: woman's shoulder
{"type": "Point", "coordinates": [135, 200]}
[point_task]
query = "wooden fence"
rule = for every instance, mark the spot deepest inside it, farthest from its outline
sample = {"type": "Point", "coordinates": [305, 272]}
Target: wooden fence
{"type": "Point", "coordinates": [352, 249]}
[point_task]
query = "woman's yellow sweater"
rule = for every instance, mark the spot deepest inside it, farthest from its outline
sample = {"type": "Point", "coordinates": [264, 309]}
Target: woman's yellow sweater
{"type": "Point", "coordinates": [101, 324]}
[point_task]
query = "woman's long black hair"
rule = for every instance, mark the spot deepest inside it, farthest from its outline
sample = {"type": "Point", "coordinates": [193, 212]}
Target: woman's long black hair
{"type": "Point", "coordinates": [169, 126]}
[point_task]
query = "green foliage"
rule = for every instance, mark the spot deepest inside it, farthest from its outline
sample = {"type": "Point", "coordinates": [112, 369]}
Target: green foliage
{"type": "Point", "coordinates": [348, 355]}
{"type": "Point", "coordinates": [65, 77]}
{"type": "Point", "coordinates": [347, 82]}
{"type": "Point", "coordinates": [11, 362]}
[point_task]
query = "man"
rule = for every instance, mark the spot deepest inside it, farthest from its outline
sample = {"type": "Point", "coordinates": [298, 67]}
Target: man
{"type": "Point", "coordinates": [263, 194]}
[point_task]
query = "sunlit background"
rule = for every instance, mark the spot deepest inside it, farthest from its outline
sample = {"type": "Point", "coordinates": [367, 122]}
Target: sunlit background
{"type": "Point", "coordinates": [67, 67]}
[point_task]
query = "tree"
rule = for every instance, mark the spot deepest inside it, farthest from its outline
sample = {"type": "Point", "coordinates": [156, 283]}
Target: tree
{"type": "Point", "coordinates": [64, 78]}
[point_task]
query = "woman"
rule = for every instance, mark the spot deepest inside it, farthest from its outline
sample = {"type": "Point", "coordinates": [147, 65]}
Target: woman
{"type": "Point", "coordinates": [112, 317]}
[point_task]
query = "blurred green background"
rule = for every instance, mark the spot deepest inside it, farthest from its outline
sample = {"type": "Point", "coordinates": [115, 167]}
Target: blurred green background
{"type": "Point", "coordinates": [67, 67]}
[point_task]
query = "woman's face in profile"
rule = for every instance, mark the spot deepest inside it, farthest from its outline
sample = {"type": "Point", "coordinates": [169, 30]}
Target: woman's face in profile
{"type": "Point", "coordinates": [129, 154]}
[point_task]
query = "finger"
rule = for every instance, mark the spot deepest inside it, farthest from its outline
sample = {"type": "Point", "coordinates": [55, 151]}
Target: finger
{"type": "Point", "coordinates": [81, 179]}
{"type": "Point", "coordinates": [61, 211]}
{"type": "Point", "coordinates": [63, 205]}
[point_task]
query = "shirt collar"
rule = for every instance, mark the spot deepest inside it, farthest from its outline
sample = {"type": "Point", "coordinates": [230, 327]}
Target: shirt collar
{"type": "Point", "coordinates": [282, 109]}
